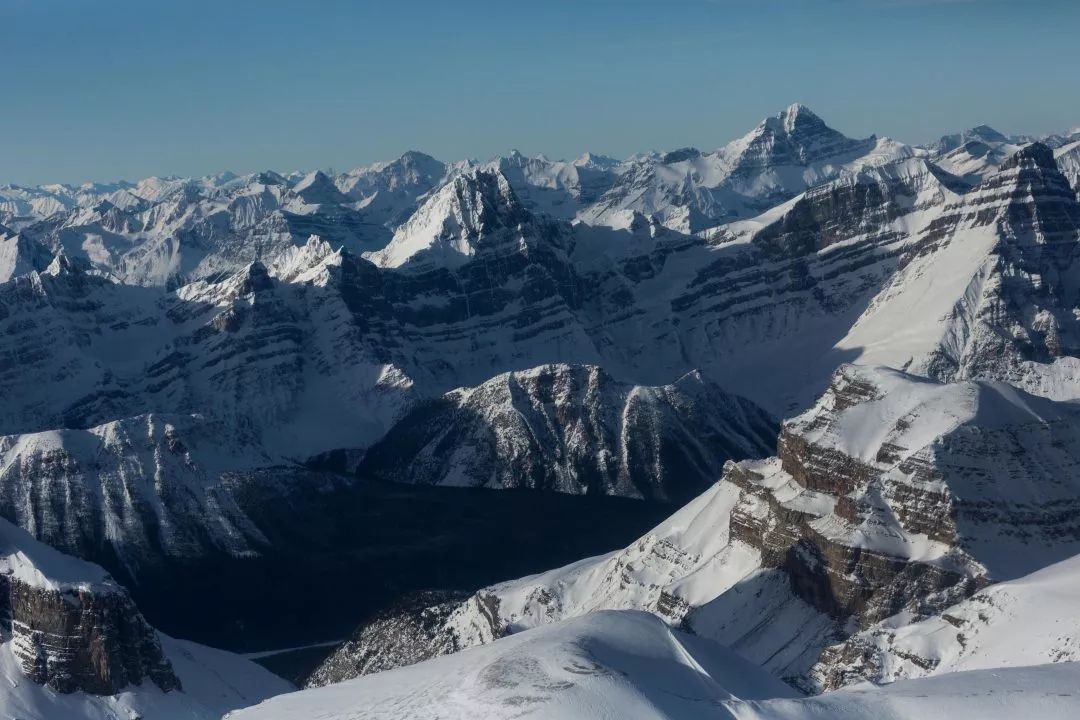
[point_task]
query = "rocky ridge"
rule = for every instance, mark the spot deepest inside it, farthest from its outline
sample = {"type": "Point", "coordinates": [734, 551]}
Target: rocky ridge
{"type": "Point", "coordinates": [573, 429]}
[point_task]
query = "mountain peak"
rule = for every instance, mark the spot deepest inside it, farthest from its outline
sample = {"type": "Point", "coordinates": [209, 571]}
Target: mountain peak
{"type": "Point", "coordinates": [797, 114]}
{"type": "Point", "coordinates": [62, 265]}
{"type": "Point", "coordinates": [297, 261]}
{"type": "Point", "coordinates": [317, 188]}
{"type": "Point", "coordinates": [470, 207]}
{"type": "Point", "coordinates": [987, 134]}
{"type": "Point", "coordinates": [594, 160]}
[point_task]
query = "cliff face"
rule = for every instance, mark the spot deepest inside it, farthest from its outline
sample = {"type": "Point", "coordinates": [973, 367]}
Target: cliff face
{"type": "Point", "coordinates": [71, 627]}
{"type": "Point", "coordinates": [80, 640]}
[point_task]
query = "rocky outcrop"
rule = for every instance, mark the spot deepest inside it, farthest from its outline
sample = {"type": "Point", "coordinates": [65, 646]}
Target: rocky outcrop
{"type": "Point", "coordinates": [1027, 621]}
{"type": "Point", "coordinates": [574, 429]}
{"type": "Point", "coordinates": [71, 626]}
{"type": "Point", "coordinates": [410, 625]}
{"type": "Point", "coordinates": [1068, 161]}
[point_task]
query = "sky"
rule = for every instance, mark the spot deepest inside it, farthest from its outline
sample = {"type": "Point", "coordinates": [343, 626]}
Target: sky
{"type": "Point", "coordinates": [117, 89]}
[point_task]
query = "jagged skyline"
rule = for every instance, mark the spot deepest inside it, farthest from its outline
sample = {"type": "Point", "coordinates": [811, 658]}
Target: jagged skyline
{"type": "Point", "coordinates": [123, 91]}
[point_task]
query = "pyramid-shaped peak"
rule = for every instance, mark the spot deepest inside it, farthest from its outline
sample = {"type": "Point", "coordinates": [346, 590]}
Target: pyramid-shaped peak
{"type": "Point", "coordinates": [62, 264]}
{"type": "Point", "coordinates": [798, 113]}
{"type": "Point", "coordinates": [317, 188]}
{"type": "Point", "coordinates": [986, 134]}
{"type": "Point", "coordinates": [796, 122]}
{"type": "Point", "coordinates": [455, 219]}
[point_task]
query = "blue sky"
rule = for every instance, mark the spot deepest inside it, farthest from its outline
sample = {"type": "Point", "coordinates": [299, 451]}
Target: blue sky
{"type": "Point", "coordinates": [99, 89]}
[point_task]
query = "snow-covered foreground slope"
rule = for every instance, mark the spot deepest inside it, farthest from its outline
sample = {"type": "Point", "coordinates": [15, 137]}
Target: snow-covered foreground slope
{"type": "Point", "coordinates": [214, 682]}
{"type": "Point", "coordinates": [893, 494]}
{"type": "Point", "coordinates": [1046, 692]}
{"type": "Point", "coordinates": [604, 665]}
{"type": "Point", "coordinates": [630, 665]}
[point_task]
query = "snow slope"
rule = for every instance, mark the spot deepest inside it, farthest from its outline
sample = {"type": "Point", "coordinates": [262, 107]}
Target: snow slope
{"type": "Point", "coordinates": [1045, 692]}
{"type": "Point", "coordinates": [604, 665]}
{"type": "Point", "coordinates": [989, 288]}
{"type": "Point", "coordinates": [629, 665]}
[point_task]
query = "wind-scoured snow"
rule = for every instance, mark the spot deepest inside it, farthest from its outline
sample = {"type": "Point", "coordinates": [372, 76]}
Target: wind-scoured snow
{"type": "Point", "coordinates": [604, 665]}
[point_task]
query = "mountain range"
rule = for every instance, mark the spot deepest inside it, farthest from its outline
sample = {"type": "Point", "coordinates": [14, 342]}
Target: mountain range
{"type": "Point", "coordinates": [845, 370]}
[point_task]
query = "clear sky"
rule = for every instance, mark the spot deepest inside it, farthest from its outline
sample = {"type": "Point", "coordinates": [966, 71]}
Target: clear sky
{"type": "Point", "coordinates": [110, 89]}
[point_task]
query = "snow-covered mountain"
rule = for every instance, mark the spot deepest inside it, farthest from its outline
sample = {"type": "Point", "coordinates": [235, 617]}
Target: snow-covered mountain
{"type": "Point", "coordinates": [474, 212]}
{"type": "Point", "coordinates": [989, 288]}
{"type": "Point", "coordinates": [168, 231]}
{"type": "Point", "coordinates": [783, 156]}
{"type": "Point", "coordinates": [387, 193]}
{"type": "Point", "coordinates": [186, 363]}
{"type": "Point", "coordinates": [324, 351]}
{"type": "Point", "coordinates": [973, 154]}
{"type": "Point", "coordinates": [574, 429]}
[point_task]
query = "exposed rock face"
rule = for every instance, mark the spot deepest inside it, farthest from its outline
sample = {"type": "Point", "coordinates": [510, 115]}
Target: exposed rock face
{"type": "Point", "coordinates": [1028, 621]}
{"type": "Point", "coordinates": [574, 429]}
{"type": "Point", "coordinates": [71, 626]}
{"type": "Point", "coordinates": [408, 625]}
{"type": "Point", "coordinates": [1068, 160]}
{"type": "Point", "coordinates": [893, 495]}
{"type": "Point", "coordinates": [85, 640]}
